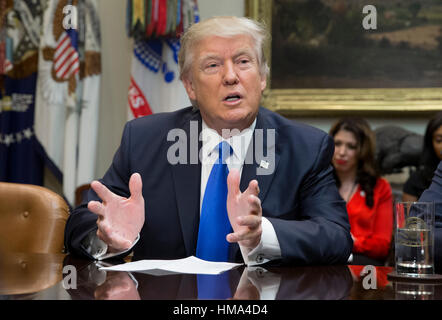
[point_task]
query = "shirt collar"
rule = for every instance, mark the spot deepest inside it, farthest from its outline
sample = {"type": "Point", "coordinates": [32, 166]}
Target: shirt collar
{"type": "Point", "coordinates": [239, 143]}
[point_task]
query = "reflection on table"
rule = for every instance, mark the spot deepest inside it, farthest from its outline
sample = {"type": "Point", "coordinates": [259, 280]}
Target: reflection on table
{"type": "Point", "coordinates": [322, 283]}
{"type": "Point", "coordinates": [23, 274]}
{"type": "Point", "coordinates": [40, 276]}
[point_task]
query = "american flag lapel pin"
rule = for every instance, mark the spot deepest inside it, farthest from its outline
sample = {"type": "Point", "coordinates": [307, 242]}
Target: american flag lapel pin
{"type": "Point", "coordinates": [264, 164]}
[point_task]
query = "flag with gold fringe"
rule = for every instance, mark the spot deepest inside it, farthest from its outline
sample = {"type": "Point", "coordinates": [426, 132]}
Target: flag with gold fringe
{"type": "Point", "coordinates": [156, 26]}
{"type": "Point", "coordinates": [68, 88]}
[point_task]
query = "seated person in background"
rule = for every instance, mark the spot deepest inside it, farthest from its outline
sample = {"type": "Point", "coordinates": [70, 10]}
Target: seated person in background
{"type": "Point", "coordinates": [368, 196]}
{"type": "Point", "coordinates": [431, 156]}
{"type": "Point", "coordinates": [434, 193]}
{"type": "Point", "coordinates": [284, 207]}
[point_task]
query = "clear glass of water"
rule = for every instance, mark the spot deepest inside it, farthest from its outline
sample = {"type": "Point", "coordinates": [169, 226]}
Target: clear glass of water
{"type": "Point", "coordinates": [414, 238]}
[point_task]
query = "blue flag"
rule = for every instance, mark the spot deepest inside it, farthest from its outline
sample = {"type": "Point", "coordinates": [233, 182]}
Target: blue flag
{"type": "Point", "coordinates": [19, 159]}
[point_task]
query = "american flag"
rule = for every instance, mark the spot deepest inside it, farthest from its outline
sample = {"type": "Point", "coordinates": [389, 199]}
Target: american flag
{"type": "Point", "coordinates": [66, 58]}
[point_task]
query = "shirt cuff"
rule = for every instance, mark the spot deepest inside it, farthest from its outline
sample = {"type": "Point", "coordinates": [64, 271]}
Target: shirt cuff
{"type": "Point", "coordinates": [98, 248]}
{"type": "Point", "coordinates": [268, 248]}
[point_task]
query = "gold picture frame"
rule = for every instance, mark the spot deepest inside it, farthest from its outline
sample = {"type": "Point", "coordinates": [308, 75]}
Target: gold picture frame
{"type": "Point", "coordinates": [388, 102]}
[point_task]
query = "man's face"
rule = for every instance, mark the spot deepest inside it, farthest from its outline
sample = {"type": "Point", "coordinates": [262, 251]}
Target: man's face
{"type": "Point", "coordinates": [225, 82]}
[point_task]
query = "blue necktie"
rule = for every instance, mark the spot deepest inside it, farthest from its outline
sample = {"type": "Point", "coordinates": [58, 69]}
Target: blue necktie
{"type": "Point", "coordinates": [214, 221]}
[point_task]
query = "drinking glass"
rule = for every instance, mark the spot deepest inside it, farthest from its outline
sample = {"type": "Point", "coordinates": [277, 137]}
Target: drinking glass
{"type": "Point", "coordinates": [414, 240]}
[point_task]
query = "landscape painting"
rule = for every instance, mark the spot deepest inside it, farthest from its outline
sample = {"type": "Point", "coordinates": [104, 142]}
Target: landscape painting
{"type": "Point", "coordinates": [324, 44]}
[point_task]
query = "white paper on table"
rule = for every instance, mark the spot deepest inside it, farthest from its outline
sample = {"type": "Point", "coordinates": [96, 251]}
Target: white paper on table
{"type": "Point", "coordinates": [190, 265]}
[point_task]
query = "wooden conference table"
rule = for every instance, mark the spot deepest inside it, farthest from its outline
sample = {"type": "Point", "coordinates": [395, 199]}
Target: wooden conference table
{"type": "Point", "coordinates": [64, 277]}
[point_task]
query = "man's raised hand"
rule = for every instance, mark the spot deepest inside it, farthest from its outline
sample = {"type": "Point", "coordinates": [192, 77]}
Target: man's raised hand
{"type": "Point", "coordinates": [245, 212]}
{"type": "Point", "coordinates": [119, 219]}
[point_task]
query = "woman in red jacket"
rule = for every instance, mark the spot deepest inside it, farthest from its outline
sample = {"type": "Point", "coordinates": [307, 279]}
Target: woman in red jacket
{"type": "Point", "coordinates": [368, 196]}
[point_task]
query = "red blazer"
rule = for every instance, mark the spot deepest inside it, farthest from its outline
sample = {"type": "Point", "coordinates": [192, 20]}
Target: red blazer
{"type": "Point", "coordinates": [372, 227]}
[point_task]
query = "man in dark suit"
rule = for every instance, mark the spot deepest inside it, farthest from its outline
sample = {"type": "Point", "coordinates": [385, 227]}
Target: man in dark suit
{"type": "Point", "coordinates": [281, 200]}
{"type": "Point", "coordinates": [434, 193]}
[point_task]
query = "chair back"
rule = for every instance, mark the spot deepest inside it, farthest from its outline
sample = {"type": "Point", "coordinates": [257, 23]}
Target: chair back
{"type": "Point", "coordinates": [32, 219]}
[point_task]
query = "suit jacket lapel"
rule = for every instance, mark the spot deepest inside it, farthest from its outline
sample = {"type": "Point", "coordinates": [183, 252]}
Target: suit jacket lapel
{"type": "Point", "coordinates": [262, 158]}
{"type": "Point", "coordinates": [187, 181]}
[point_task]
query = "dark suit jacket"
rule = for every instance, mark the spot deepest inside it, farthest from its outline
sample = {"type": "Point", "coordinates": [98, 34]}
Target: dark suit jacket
{"type": "Point", "coordinates": [300, 197]}
{"type": "Point", "coordinates": [434, 193]}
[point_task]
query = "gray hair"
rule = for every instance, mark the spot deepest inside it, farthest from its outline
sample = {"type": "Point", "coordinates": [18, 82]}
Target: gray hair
{"type": "Point", "coordinates": [226, 27]}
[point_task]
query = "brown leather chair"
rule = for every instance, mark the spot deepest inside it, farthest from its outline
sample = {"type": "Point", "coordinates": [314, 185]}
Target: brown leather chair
{"type": "Point", "coordinates": [32, 219]}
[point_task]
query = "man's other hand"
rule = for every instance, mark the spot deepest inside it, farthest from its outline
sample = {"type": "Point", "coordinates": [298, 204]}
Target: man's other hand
{"type": "Point", "coordinates": [245, 212]}
{"type": "Point", "coordinates": [119, 219]}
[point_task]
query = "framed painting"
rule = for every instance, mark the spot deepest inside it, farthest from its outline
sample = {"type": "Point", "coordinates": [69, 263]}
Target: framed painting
{"type": "Point", "coordinates": [335, 57]}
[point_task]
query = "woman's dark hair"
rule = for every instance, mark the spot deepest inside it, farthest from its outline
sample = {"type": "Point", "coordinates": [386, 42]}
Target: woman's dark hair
{"type": "Point", "coordinates": [429, 159]}
{"type": "Point", "coordinates": [367, 172]}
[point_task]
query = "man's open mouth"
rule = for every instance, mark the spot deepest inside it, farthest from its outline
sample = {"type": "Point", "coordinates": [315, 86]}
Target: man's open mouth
{"type": "Point", "coordinates": [232, 98]}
